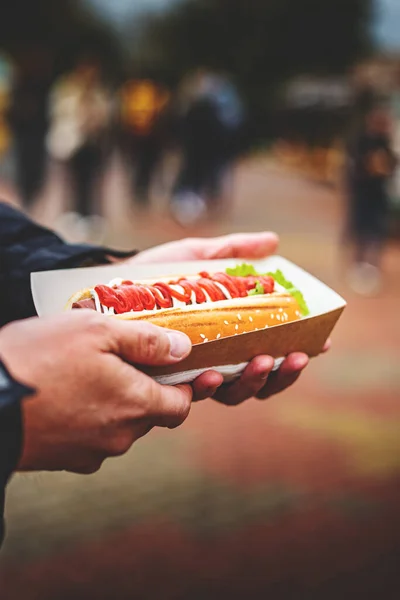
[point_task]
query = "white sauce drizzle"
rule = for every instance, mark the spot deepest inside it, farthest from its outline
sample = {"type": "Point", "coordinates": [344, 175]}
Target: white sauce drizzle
{"type": "Point", "coordinates": [95, 297]}
{"type": "Point", "coordinates": [116, 281]}
{"type": "Point", "coordinates": [223, 290]}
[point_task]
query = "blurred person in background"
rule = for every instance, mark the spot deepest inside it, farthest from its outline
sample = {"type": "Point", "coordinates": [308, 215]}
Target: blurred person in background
{"type": "Point", "coordinates": [81, 110]}
{"type": "Point", "coordinates": [28, 120]}
{"type": "Point", "coordinates": [5, 132]}
{"type": "Point", "coordinates": [371, 164]}
{"type": "Point", "coordinates": [211, 116]}
{"type": "Point", "coordinates": [68, 382]}
{"type": "Point", "coordinates": [143, 107]}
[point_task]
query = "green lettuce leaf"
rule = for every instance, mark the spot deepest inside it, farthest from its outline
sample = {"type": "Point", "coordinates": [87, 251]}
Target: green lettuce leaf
{"type": "Point", "coordinates": [279, 277]}
{"type": "Point", "coordinates": [242, 271]}
{"type": "Point", "coordinates": [245, 269]}
{"type": "Point", "coordinates": [258, 290]}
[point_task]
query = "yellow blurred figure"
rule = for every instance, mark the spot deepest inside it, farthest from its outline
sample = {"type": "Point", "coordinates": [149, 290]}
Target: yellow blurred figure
{"type": "Point", "coordinates": [6, 74]}
{"type": "Point", "coordinates": [141, 104]}
{"type": "Point", "coordinates": [5, 133]}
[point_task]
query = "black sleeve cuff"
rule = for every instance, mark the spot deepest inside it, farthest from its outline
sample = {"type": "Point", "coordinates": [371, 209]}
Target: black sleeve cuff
{"type": "Point", "coordinates": [11, 394]}
{"type": "Point", "coordinates": [11, 391]}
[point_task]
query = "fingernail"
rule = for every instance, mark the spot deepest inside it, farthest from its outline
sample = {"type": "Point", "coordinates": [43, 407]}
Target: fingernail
{"type": "Point", "coordinates": [267, 368]}
{"type": "Point", "coordinates": [301, 363]}
{"type": "Point", "coordinates": [180, 344]}
{"type": "Point", "coordinates": [264, 374]}
{"type": "Point", "coordinates": [211, 391]}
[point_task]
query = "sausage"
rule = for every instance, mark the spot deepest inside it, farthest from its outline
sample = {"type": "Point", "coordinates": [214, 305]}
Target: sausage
{"type": "Point", "coordinates": [87, 303]}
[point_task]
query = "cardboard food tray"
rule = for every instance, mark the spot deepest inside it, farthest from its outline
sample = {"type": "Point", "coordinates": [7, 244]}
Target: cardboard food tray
{"type": "Point", "coordinates": [52, 289]}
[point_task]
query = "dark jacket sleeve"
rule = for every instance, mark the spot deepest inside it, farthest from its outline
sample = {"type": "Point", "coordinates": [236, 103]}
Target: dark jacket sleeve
{"type": "Point", "coordinates": [26, 247]}
{"type": "Point", "coordinates": [11, 394]}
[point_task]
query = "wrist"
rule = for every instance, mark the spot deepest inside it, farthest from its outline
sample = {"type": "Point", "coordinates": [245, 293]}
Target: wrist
{"type": "Point", "coordinates": [11, 436]}
{"type": "Point", "coordinates": [12, 391]}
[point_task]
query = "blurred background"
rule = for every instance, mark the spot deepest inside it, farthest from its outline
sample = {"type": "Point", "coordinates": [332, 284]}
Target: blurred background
{"type": "Point", "coordinates": [135, 122]}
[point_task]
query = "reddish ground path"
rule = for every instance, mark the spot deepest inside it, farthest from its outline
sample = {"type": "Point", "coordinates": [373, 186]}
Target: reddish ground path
{"type": "Point", "coordinates": [295, 497]}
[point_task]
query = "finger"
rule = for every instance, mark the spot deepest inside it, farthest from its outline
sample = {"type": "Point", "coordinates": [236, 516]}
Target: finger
{"type": "Point", "coordinates": [239, 245]}
{"type": "Point", "coordinates": [168, 406]}
{"type": "Point", "coordinates": [146, 344]}
{"type": "Point", "coordinates": [286, 375]}
{"type": "Point", "coordinates": [249, 384]}
{"type": "Point", "coordinates": [118, 440]}
{"type": "Point", "coordinates": [171, 251]}
{"type": "Point", "coordinates": [139, 399]}
{"type": "Point", "coordinates": [206, 385]}
{"type": "Point", "coordinates": [327, 345]}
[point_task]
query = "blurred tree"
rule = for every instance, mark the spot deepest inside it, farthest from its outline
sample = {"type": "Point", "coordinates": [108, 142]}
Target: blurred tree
{"type": "Point", "coordinates": [263, 38]}
{"type": "Point", "coordinates": [262, 43]}
{"type": "Point", "coordinates": [65, 30]}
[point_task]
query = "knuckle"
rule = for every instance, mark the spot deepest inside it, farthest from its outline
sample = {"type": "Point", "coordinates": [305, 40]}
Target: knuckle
{"type": "Point", "coordinates": [119, 444]}
{"type": "Point", "coordinates": [137, 397]}
{"type": "Point", "coordinates": [232, 400]}
{"type": "Point", "coordinates": [89, 468]}
{"type": "Point", "coordinates": [230, 397]}
{"type": "Point", "coordinates": [96, 324]}
{"type": "Point", "coordinates": [149, 343]}
{"type": "Point", "coordinates": [180, 410]}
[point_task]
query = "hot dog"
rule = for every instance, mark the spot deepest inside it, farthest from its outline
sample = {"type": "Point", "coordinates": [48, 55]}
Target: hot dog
{"type": "Point", "coordinates": [206, 307]}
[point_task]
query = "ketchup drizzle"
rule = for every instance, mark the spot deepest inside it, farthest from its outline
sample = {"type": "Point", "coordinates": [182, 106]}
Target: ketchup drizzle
{"type": "Point", "coordinates": [129, 296]}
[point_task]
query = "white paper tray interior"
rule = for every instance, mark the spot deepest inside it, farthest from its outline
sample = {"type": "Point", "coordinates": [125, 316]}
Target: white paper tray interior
{"type": "Point", "coordinates": [52, 289]}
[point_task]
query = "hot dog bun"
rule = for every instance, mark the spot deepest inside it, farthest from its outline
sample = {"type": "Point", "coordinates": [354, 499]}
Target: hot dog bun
{"type": "Point", "coordinates": [205, 323]}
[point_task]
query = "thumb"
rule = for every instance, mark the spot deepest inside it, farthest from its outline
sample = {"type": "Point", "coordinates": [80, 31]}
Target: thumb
{"type": "Point", "coordinates": [146, 344]}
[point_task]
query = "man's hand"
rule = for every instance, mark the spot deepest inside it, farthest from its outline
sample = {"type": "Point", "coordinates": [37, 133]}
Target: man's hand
{"type": "Point", "coordinates": [258, 379]}
{"type": "Point", "coordinates": [91, 402]}
{"type": "Point", "coordinates": [235, 245]}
